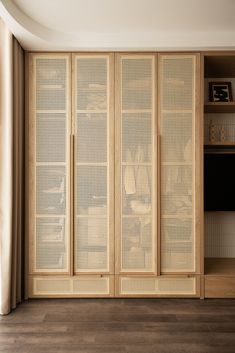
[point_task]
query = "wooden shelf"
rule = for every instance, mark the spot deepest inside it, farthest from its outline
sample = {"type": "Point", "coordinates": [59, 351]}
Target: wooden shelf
{"type": "Point", "coordinates": [220, 266]}
{"type": "Point", "coordinates": [220, 147]}
{"type": "Point", "coordinates": [219, 107]}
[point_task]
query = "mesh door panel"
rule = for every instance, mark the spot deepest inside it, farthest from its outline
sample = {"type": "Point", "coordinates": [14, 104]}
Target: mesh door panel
{"type": "Point", "coordinates": [91, 185]}
{"type": "Point", "coordinates": [91, 83]}
{"type": "Point", "coordinates": [176, 196]}
{"type": "Point", "coordinates": [51, 247]}
{"type": "Point", "coordinates": [176, 138]}
{"type": "Point", "coordinates": [51, 134]}
{"type": "Point", "coordinates": [137, 82]}
{"type": "Point", "coordinates": [51, 190]}
{"type": "Point", "coordinates": [177, 163]}
{"type": "Point", "coordinates": [51, 168]}
{"type": "Point", "coordinates": [51, 83]}
{"type": "Point", "coordinates": [91, 244]}
{"type": "Point", "coordinates": [91, 138]}
{"type": "Point", "coordinates": [177, 245]}
{"type": "Point", "coordinates": [137, 129]}
{"type": "Point", "coordinates": [177, 83]}
{"type": "Point", "coordinates": [137, 178]}
{"type": "Point", "coordinates": [136, 138]}
{"type": "Point", "coordinates": [137, 244]}
{"type": "Point", "coordinates": [92, 168]}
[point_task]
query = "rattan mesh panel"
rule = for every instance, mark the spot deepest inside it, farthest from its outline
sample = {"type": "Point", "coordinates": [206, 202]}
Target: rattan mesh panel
{"type": "Point", "coordinates": [176, 190]}
{"type": "Point", "coordinates": [51, 83]}
{"type": "Point", "coordinates": [157, 286]}
{"type": "Point", "coordinates": [51, 129]}
{"type": "Point", "coordinates": [71, 286]}
{"type": "Point", "coordinates": [91, 285]}
{"type": "Point", "coordinates": [91, 244]}
{"type": "Point", "coordinates": [136, 138]}
{"type": "Point", "coordinates": [177, 163]}
{"type": "Point", "coordinates": [137, 244]}
{"type": "Point", "coordinates": [91, 181]}
{"type": "Point", "coordinates": [177, 245]}
{"type": "Point", "coordinates": [137, 82]}
{"type": "Point", "coordinates": [91, 83]}
{"type": "Point", "coordinates": [91, 186]}
{"type": "Point", "coordinates": [91, 138]}
{"type": "Point", "coordinates": [51, 134]}
{"type": "Point", "coordinates": [51, 247]}
{"type": "Point", "coordinates": [177, 83]}
{"type": "Point", "coordinates": [176, 138]}
{"type": "Point", "coordinates": [51, 190]}
{"type": "Point", "coordinates": [137, 79]}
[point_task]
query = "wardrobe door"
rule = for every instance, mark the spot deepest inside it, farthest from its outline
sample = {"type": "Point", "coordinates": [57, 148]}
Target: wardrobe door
{"type": "Point", "coordinates": [93, 163]}
{"type": "Point", "coordinates": [135, 170]}
{"type": "Point", "coordinates": [49, 129]}
{"type": "Point", "coordinates": [177, 75]}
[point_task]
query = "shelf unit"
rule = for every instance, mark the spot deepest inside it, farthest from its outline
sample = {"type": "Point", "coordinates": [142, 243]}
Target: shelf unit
{"type": "Point", "coordinates": [219, 279]}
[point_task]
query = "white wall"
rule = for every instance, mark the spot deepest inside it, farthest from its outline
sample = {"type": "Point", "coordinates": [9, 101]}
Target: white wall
{"type": "Point", "coordinates": [121, 25]}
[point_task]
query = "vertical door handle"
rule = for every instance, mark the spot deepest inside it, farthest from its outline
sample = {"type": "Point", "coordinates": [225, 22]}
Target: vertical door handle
{"type": "Point", "coordinates": [159, 204]}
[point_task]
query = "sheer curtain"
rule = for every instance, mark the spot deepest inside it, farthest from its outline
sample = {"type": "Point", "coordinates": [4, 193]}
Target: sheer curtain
{"type": "Point", "coordinates": [11, 171]}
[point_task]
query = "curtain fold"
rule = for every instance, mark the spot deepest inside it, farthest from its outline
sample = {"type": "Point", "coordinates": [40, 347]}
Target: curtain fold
{"type": "Point", "coordinates": [12, 167]}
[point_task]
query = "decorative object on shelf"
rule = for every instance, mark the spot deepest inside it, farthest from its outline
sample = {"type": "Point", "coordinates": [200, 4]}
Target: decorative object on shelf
{"type": "Point", "coordinates": [212, 132]}
{"type": "Point", "coordinates": [222, 134]}
{"type": "Point", "coordinates": [220, 92]}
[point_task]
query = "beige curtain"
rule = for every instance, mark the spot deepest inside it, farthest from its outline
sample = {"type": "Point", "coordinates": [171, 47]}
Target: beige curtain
{"type": "Point", "coordinates": [11, 170]}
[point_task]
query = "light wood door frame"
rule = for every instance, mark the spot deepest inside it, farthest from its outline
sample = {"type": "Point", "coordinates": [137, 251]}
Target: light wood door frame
{"type": "Point", "coordinates": [31, 75]}
{"type": "Point", "coordinates": [197, 155]}
{"type": "Point", "coordinates": [110, 159]}
{"type": "Point", "coordinates": [118, 177]}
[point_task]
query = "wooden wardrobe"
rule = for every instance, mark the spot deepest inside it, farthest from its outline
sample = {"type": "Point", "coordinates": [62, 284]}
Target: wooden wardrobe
{"type": "Point", "coordinates": [114, 175]}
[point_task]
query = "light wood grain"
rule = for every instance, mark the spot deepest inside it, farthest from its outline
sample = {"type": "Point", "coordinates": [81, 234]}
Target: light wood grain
{"type": "Point", "coordinates": [219, 286]}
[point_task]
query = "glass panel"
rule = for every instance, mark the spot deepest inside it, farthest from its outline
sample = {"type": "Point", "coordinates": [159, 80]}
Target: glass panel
{"type": "Point", "coordinates": [51, 247]}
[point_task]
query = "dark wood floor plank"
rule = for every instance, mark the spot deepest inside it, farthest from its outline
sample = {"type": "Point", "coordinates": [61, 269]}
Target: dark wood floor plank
{"type": "Point", "coordinates": [120, 326]}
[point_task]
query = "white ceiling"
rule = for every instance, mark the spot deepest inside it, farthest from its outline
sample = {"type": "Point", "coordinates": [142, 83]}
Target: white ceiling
{"type": "Point", "coordinates": [121, 24]}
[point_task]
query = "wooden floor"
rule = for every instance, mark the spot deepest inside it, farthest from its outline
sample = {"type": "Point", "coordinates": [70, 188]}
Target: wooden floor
{"type": "Point", "coordinates": [120, 326]}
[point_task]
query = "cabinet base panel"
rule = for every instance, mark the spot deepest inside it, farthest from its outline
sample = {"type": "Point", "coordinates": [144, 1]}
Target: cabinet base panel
{"type": "Point", "coordinates": [219, 286]}
{"type": "Point", "coordinates": [133, 286]}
